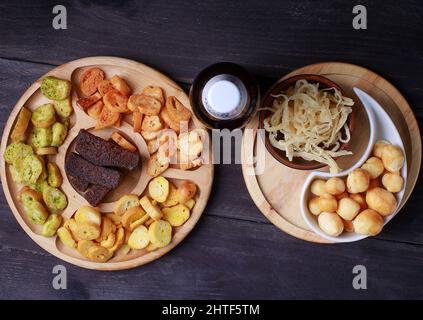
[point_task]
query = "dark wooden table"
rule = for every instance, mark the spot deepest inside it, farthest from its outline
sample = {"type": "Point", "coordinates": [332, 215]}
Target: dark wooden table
{"type": "Point", "coordinates": [233, 252]}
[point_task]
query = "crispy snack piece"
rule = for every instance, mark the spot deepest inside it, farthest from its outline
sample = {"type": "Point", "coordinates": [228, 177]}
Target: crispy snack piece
{"type": "Point", "coordinates": [158, 188]}
{"type": "Point", "coordinates": [120, 238]}
{"type": "Point", "coordinates": [186, 191]}
{"type": "Point", "coordinates": [54, 198]}
{"type": "Point", "coordinates": [154, 92]}
{"type": "Point", "coordinates": [94, 111]}
{"type": "Point", "coordinates": [126, 202]}
{"type": "Point", "coordinates": [150, 135]}
{"type": "Point", "coordinates": [139, 222]}
{"type": "Point", "coordinates": [44, 151]}
{"type": "Point", "coordinates": [115, 101]}
{"type": "Point", "coordinates": [146, 105]}
{"type": "Point", "coordinates": [107, 227]}
{"type": "Point", "coordinates": [176, 215]}
{"type": "Point", "coordinates": [84, 246]}
{"type": "Point", "coordinates": [116, 219]}
{"type": "Point", "coordinates": [87, 231]}
{"type": "Point", "coordinates": [59, 133]}
{"type": "Point", "coordinates": [104, 86]}
{"type": "Point", "coordinates": [66, 237]}
{"type": "Point", "coordinates": [151, 123]}
{"type": "Point", "coordinates": [28, 196]}
{"type": "Point", "coordinates": [160, 233]}
{"type": "Point", "coordinates": [63, 107]}
{"type": "Point", "coordinates": [32, 167]}
{"type": "Point", "coordinates": [99, 254]}
{"type": "Point", "coordinates": [172, 199]}
{"type": "Point", "coordinates": [107, 119]}
{"type": "Point", "coordinates": [87, 102]}
{"type": "Point", "coordinates": [131, 215]}
{"type": "Point", "coordinates": [176, 110]}
{"type": "Point", "coordinates": [17, 151]}
{"type": "Point", "coordinates": [153, 146]}
{"type": "Point", "coordinates": [44, 116]}
{"type": "Point", "coordinates": [139, 238]}
{"type": "Point", "coordinates": [120, 85]}
{"type": "Point", "coordinates": [41, 137]}
{"type": "Point", "coordinates": [109, 241]}
{"type": "Point", "coordinates": [87, 214]}
{"type": "Point", "coordinates": [54, 177]}
{"type": "Point", "coordinates": [51, 225]}
{"type": "Point", "coordinates": [152, 210]}
{"type": "Point", "coordinates": [120, 140]}
{"type": "Point", "coordinates": [21, 124]}
{"type": "Point", "coordinates": [190, 204]}
{"type": "Point", "coordinates": [155, 167]}
{"type": "Point", "coordinates": [137, 117]}
{"type": "Point", "coordinates": [55, 89]}
{"type": "Point", "coordinates": [168, 121]}
{"type": "Point", "coordinates": [90, 80]}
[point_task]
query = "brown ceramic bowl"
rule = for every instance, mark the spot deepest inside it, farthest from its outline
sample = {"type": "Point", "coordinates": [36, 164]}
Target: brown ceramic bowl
{"type": "Point", "coordinates": [297, 162]}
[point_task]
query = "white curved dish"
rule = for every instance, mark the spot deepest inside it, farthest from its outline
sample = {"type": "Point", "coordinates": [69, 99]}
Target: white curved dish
{"type": "Point", "coordinates": [381, 128]}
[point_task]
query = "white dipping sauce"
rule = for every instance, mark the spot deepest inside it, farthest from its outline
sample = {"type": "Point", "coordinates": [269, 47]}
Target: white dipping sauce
{"type": "Point", "coordinates": [224, 96]}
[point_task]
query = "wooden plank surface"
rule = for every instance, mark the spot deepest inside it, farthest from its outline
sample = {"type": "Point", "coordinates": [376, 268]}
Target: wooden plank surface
{"type": "Point", "coordinates": [234, 252]}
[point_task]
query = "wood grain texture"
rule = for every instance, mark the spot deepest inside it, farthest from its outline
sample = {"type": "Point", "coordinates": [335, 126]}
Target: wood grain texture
{"type": "Point", "coordinates": [270, 38]}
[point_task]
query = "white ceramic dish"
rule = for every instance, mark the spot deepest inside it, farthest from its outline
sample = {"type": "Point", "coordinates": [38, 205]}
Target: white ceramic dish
{"type": "Point", "coordinates": [381, 128]}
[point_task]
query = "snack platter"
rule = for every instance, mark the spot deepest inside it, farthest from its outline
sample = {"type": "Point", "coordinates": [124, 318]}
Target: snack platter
{"type": "Point", "coordinates": [286, 199]}
{"type": "Point", "coordinates": [128, 168]}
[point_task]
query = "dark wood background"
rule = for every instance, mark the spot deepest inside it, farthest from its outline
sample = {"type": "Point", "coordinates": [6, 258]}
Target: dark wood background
{"type": "Point", "coordinates": [233, 252]}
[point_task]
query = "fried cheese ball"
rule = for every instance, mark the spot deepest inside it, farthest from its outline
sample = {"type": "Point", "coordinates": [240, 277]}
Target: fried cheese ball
{"type": "Point", "coordinates": [368, 222]}
{"type": "Point", "coordinates": [381, 200]}
{"type": "Point", "coordinates": [378, 148]}
{"type": "Point", "coordinates": [393, 182]}
{"type": "Point", "coordinates": [360, 199]}
{"type": "Point", "coordinates": [348, 225]}
{"type": "Point", "coordinates": [327, 202]}
{"type": "Point", "coordinates": [335, 186]}
{"type": "Point", "coordinates": [314, 206]}
{"type": "Point", "coordinates": [374, 183]}
{"type": "Point", "coordinates": [374, 166]}
{"type": "Point", "coordinates": [358, 181]}
{"type": "Point", "coordinates": [330, 223]}
{"type": "Point", "coordinates": [318, 187]}
{"type": "Point", "coordinates": [392, 158]}
{"type": "Point", "coordinates": [348, 208]}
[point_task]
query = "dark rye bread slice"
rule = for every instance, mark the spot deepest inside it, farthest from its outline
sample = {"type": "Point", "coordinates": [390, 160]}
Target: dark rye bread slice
{"type": "Point", "coordinates": [78, 184]}
{"type": "Point", "coordinates": [95, 193]}
{"type": "Point", "coordinates": [105, 153]}
{"type": "Point", "coordinates": [78, 167]}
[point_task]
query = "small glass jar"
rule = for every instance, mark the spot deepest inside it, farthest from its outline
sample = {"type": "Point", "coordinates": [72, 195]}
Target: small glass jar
{"type": "Point", "coordinates": [224, 95]}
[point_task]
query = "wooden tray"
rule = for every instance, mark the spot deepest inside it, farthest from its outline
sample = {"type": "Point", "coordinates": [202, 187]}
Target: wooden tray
{"type": "Point", "coordinates": [276, 191]}
{"type": "Point", "coordinates": [138, 76]}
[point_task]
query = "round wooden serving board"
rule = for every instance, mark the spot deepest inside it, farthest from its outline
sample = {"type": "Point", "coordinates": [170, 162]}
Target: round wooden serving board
{"type": "Point", "coordinates": [276, 189]}
{"type": "Point", "coordinates": [138, 76]}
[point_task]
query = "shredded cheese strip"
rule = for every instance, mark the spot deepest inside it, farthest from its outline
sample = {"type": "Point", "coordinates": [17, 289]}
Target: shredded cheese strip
{"type": "Point", "coordinates": [310, 123]}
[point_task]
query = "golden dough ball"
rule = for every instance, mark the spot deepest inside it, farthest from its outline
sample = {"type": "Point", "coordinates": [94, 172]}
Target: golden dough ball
{"type": "Point", "coordinates": [348, 208]}
{"type": "Point", "coordinates": [368, 222]}
{"type": "Point", "coordinates": [314, 206]}
{"type": "Point", "coordinates": [393, 182]}
{"type": "Point", "coordinates": [378, 148]}
{"type": "Point", "coordinates": [348, 225]}
{"type": "Point", "coordinates": [335, 186]}
{"type": "Point", "coordinates": [327, 202]}
{"type": "Point", "coordinates": [342, 195]}
{"type": "Point", "coordinates": [358, 181]}
{"type": "Point", "coordinates": [392, 158]}
{"type": "Point", "coordinates": [374, 183]}
{"type": "Point", "coordinates": [360, 199]}
{"type": "Point", "coordinates": [318, 187]}
{"type": "Point", "coordinates": [381, 201]}
{"type": "Point", "coordinates": [330, 223]}
{"type": "Point", "coordinates": [374, 166]}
